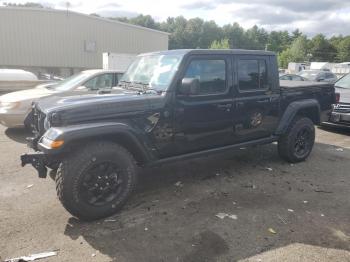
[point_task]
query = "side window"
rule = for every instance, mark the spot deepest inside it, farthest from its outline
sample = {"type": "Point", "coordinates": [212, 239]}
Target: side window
{"type": "Point", "coordinates": [328, 75]}
{"type": "Point", "coordinates": [118, 77]}
{"type": "Point", "coordinates": [252, 74]}
{"type": "Point", "coordinates": [296, 78]}
{"type": "Point", "coordinates": [321, 76]}
{"type": "Point", "coordinates": [104, 81]}
{"type": "Point", "coordinates": [210, 73]}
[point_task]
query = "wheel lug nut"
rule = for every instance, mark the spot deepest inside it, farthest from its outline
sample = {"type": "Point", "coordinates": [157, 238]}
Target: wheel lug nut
{"type": "Point", "coordinates": [107, 184]}
{"type": "Point", "coordinates": [101, 188]}
{"type": "Point", "coordinates": [96, 185]}
{"type": "Point", "coordinates": [99, 177]}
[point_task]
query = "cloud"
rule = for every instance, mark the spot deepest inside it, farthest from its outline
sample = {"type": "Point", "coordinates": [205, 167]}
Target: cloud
{"type": "Point", "coordinates": [292, 5]}
{"type": "Point", "coordinates": [199, 5]}
{"type": "Point", "coordinates": [116, 13]}
{"type": "Point", "coordinates": [268, 16]}
{"type": "Point", "coordinates": [329, 17]}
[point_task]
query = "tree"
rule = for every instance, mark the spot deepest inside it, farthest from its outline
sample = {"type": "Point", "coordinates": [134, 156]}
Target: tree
{"type": "Point", "coordinates": [145, 21]}
{"type": "Point", "coordinates": [256, 38]}
{"type": "Point", "coordinates": [344, 50]}
{"type": "Point", "coordinates": [235, 35]}
{"type": "Point", "coordinates": [296, 53]}
{"type": "Point", "coordinates": [210, 32]}
{"type": "Point", "coordinates": [295, 34]}
{"type": "Point", "coordinates": [220, 44]}
{"type": "Point", "coordinates": [278, 41]}
{"type": "Point", "coordinates": [321, 49]}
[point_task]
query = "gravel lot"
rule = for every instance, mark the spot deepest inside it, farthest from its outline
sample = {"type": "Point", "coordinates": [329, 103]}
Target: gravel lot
{"type": "Point", "coordinates": [283, 212]}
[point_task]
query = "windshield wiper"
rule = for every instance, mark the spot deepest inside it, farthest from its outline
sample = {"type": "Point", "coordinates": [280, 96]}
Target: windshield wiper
{"type": "Point", "coordinates": [140, 87]}
{"type": "Point", "coordinates": [127, 85]}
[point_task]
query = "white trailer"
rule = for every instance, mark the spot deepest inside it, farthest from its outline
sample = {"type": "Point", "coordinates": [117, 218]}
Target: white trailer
{"type": "Point", "coordinates": [117, 61]}
{"type": "Point", "coordinates": [342, 68]}
{"type": "Point", "coordinates": [294, 68]}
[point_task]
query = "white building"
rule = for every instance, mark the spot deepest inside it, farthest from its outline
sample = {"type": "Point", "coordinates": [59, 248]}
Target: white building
{"type": "Point", "coordinates": [61, 42]}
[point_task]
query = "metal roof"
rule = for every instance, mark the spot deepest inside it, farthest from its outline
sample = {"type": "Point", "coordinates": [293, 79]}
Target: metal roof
{"type": "Point", "coordinates": [85, 15]}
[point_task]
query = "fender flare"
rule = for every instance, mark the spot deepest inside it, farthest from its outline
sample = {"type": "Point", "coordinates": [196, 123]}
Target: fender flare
{"type": "Point", "coordinates": [292, 110]}
{"type": "Point", "coordinates": [74, 133]}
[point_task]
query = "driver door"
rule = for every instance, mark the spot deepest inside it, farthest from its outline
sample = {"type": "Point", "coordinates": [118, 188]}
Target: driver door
{"type": "Point", "coordinates": [204, 120]}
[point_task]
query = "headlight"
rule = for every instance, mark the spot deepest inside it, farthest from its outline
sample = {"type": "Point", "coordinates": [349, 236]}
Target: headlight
{"type": "Point", "coordinates": [9, 105]}
{"type": "Point", "coordinates": [52, 144]}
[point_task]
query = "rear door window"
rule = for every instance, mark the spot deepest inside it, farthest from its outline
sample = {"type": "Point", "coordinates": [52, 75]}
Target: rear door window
{"type": "Point", "coordinates": [252, 74]}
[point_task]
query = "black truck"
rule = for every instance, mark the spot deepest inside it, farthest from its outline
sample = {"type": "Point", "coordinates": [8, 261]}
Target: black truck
{"type": "Point", "coordinates": [170, 106]}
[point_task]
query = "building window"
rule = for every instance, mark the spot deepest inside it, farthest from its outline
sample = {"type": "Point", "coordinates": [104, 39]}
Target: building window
{"type": "Point", "coordinates": [90, 46]}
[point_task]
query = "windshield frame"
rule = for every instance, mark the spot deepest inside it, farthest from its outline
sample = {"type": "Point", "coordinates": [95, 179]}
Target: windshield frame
{"type": "Point", "coordinates": [132, 82]}
{"type": "Point", "coordinates": [346, 78]}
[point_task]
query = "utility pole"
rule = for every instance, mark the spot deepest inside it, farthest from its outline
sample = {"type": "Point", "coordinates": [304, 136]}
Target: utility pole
{"type": "Point", "coordinates": [67, 7]}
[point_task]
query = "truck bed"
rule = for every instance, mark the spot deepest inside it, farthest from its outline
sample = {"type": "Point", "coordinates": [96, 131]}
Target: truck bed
{"type": "Point", "coordinates": [286, 84]}
{"type": "Point", "coordinates": [300, 90]}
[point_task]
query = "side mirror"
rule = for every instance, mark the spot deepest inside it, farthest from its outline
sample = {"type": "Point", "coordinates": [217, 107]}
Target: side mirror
{"type": "Point", "coordinates": [320, 79]}
{"type": "Point", "coordinates": [104, 91]}
{"type": "Point", "coordinates": [189, 86]}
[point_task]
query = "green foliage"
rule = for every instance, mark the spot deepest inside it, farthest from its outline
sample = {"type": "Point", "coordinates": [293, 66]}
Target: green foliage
{"type": "Point", "coordinates": [343, 54]}
{"type": "Point", "coordinates": [321, 49]}
{"type": "Point", "coordinates": [220, 44]}
{"type": "Point", "coordinates": [297, 52]}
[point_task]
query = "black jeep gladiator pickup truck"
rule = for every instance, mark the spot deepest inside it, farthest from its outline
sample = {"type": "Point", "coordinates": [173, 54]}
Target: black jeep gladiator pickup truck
{"type": "Point", "coordinates": [169, 106]}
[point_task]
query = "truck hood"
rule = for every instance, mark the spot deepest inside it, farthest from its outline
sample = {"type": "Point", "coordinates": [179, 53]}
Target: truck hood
{"type": "Point", "coordinates": [78, 109]}
{"type": "Point", "coordinates": [344, 94]}
{"type": "Point", "coordinates": [29, 94]}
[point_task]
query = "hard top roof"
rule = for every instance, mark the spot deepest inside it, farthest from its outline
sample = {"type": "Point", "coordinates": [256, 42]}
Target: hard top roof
{"type": "Point", "coordinates": [212, 51]}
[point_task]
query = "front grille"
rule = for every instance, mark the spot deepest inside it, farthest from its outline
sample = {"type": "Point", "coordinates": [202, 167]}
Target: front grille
{"type": "Point", "coordinates": [342, 108]}
{"type": "Point", "coordinates": [38, 121]}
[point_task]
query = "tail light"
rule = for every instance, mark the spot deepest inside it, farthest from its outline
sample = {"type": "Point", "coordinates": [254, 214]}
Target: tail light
{"type": "Point", "coordinates": [337, 98]}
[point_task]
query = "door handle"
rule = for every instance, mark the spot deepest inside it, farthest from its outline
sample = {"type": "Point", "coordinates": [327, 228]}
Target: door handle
{"type": "Point", "coordinates": [224, 106]}
{"type": "Point", "coordinates": [265, 100]}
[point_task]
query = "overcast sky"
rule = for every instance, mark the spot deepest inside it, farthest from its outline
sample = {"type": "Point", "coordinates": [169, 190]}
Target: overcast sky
{"type": "Point", "coordinates": [329, 17]}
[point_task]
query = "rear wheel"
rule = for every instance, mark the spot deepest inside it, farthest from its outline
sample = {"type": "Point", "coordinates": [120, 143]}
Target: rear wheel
{"type": "Point", "coordinates": [96, 181]}
{"type": "Point", "coordinates": [297, 143]}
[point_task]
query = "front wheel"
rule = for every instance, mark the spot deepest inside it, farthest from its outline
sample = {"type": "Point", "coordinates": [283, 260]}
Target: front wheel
{"type": "Point", "coordinates": [297, 143]}
{"type": "Point", "coordinates": [95, 181]}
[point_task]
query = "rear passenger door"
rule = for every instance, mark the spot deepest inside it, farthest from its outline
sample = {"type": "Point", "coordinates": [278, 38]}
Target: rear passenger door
{"type": "Point", "coordinates": [256, 97]}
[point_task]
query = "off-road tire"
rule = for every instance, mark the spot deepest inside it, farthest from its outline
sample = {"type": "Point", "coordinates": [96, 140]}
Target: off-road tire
{"type": "Point", "coordinates": [73, 169]}
{"type": "Point", "coordinates": [287, 141]}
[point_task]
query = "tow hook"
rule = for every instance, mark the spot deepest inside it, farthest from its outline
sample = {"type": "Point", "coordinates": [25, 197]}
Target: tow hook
{"type": "Point", "coordinates": [37, 160]}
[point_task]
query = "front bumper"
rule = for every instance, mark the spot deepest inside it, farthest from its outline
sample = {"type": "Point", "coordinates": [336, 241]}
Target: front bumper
{"type": "Point", "coordinates": [37, 160]}
{"type": "Point", "coordinates": [339, 118]}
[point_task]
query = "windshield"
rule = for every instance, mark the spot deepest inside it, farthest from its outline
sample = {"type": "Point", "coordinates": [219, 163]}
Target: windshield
{"type": "Point", "coordinates": [69, 82]}
{"type": "Point", "coordinates": [155, 71]}
{"type": "Point", "coordinates": [310, 75]}
{"type": "Point", "coordinates": [344, 82]}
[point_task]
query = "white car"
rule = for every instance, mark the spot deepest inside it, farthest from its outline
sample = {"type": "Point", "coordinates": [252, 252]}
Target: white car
{"type": "Point", "coordinates": [15, 106]}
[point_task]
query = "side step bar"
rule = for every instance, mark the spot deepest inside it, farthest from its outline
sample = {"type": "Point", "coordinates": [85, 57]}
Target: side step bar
{"type": "Point", "coordinates": [209, 152]}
